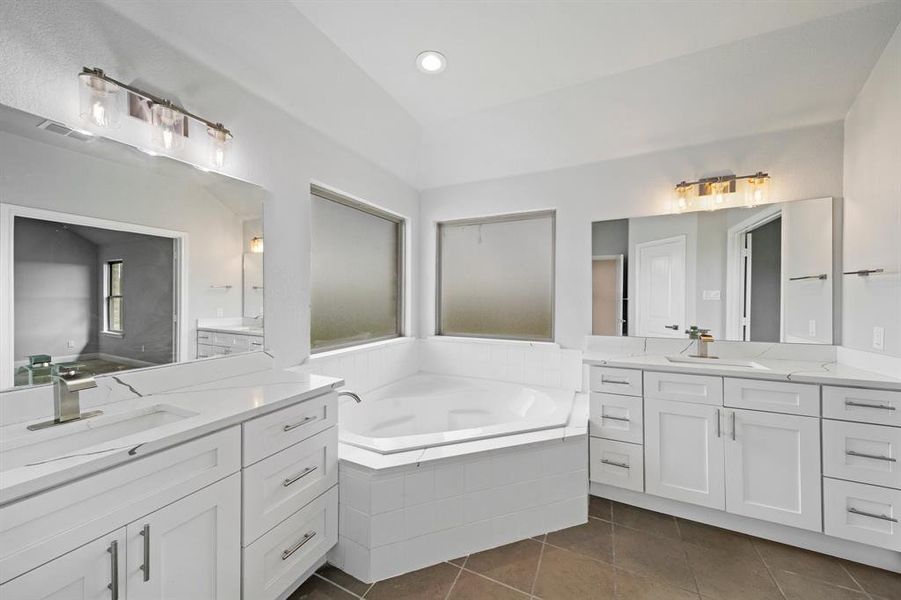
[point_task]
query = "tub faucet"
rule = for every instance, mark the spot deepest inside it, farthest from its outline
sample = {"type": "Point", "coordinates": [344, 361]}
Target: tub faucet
{"type": "Point", "coordinates": [703, 337]}
{"type": "Point", "coordinates": [350, 394]}
{"type": "Point", "coordinates": [66, 404]}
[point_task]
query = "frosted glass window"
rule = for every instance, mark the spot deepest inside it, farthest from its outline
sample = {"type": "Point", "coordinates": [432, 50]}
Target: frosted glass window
{"type": "Point", "coordinates": [356, 274]}
{"type": "Point", "coordinates": [496, 277]}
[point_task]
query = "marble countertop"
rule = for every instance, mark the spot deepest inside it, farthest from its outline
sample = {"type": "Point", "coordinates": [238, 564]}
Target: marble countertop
{"type": "Point", "coordinates": [777, 369]}
{"type": "Point", "coordinates": [216, 405]}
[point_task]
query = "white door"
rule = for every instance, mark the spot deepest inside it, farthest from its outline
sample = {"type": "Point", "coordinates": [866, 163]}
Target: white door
{"type": "Point", "coordinates": [773, 468]}
{"type": "Point", "coordinates": [95, 571]}
{"type": "Point", "coordinates": [660, 287]}
{"type": "Point", "coordinates": [189, 550]}
{"type": "Point", "coordinates": [684, 452]}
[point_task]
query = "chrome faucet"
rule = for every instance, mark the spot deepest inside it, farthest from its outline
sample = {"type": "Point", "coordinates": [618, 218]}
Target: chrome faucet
{"type": "Point", "coordinates": [66, 403]}
{"type": "Point", "coordinates": [703, 337]}
{"type": "Point", "coordinates": [350, 394]}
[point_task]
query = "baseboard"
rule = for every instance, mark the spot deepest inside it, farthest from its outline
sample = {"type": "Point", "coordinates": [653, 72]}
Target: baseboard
{"type": "Point", "coordinates": [809, 540]}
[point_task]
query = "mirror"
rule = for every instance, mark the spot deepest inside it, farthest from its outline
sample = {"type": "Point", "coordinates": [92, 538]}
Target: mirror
{"type": "Point", "coordinates": [114, 259]}
{"type": "Point", "coordinates": [763, 274]}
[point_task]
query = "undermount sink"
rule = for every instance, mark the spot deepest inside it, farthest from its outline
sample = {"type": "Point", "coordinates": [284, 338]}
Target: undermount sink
{"type": "Point", "coordinates": [71, 438]}
{"type": "Point", "coordinates": [716, 362]}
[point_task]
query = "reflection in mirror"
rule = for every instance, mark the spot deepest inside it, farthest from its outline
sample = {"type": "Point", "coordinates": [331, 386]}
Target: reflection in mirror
{"type": "Point", "coordinates": [762, 274]}
{"type": "Point", "coordinates": [113, 259]}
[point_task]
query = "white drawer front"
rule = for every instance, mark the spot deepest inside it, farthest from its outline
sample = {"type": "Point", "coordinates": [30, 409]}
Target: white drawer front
{"type": "Point", "coordinates": [616, 463]}
{"type": "Point", "coordinates": [702, 389]}
{"type": "Point", "coordinates": [862, 452]}
{"type": "Point", "coordinates": [862, 513]}
{"type": "Point", "coordinates": [867, 406]}
{"type": "Point", "coordinates": [266, 435]}
{"type": "Point", "coordinates": [49, 524]}
{"type": "Point", "coordinates": [278, 486]}
{"type": "Point", "coordinates": [772, 396]}
{"type": "Point", "coordinates": [276, 560]}
{"type": "Point", "coordinates": [616, 417]}
{"type": "Point", "coordinates": [616, 381]}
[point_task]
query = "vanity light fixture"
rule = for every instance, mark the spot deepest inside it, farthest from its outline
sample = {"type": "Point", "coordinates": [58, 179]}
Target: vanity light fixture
{"type": "Point", "coordinates": [431, 61]}
{"type": "Point", "coordinates": [99, 101]}
{"type": "Point", "coordinates": [711, 193]}
{"type": "Point", "coordinates": [256, 245]}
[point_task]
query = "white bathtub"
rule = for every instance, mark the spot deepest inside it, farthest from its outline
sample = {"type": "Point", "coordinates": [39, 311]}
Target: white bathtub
{"type": "Point", "coordinates": [433, 410]}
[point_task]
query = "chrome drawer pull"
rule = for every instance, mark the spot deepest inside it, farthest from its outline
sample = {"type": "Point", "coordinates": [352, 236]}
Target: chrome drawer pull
{"type": "Point", "coordinates": [303, 421]}
{"type": "Point", "coordinates": [114, 570]}
{"type": "Point", "coordinates": [306, 538]}
{"type": "Point", "coordinates": [614, 381]}
{"type": "Point", "coordinates": [873, 456]}
{"type": "Point", "coordinates": [718, 431]}
{"type": "Point", "coordinates": [146, 566]}
{"type": "Point", "coordinates": [623, 419]}
{"type": "Point", "coordinates": [867, 405]}
{"type": "Point", "coordinates": [872, 515]}
{"type": "Point", "coordinates": [615, 464]}
{"type": "Point", "coordinates": [300, 475]}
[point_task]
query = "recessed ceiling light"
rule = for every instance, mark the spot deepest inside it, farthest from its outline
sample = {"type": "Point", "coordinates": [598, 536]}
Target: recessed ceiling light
{"type": "Point", "coordinates": [431, 61]}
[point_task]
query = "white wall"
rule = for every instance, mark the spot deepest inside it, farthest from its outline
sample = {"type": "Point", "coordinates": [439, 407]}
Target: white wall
{"type": "Point", "coordinates": [803, 163]}
{"type": "Point", "coordinates": [45, 45]}
{"type": "Point", "coordinates": [872, 176]}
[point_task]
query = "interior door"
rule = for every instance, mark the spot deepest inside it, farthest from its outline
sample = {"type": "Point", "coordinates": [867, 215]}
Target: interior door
{"type": "Point", "coordinates": [95, 571]}
{"type": "Point", "coordinates": [684, 452]}
{"type": "Point", "coordinates": [660, 287]}
{"type": "Point", "coordinates": [607, 295]}
{"type": "Point", "coordinates": [189, 550]}
{"type": "Point", "coordinates": [773, 468]}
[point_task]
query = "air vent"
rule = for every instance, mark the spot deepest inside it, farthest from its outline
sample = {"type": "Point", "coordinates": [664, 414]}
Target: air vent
{"type": "Point", "coordinates": [59, 128]}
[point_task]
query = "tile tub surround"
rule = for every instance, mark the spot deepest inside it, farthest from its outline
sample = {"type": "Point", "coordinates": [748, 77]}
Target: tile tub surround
{"type": "Point", "coordinates": [370, 366]}
{"type": "Point", "coordinates": [397, 520]}
{"type": "Point", "coordinates": [800, 363]}
{"type": "Point", "coordinates": [626, 553]}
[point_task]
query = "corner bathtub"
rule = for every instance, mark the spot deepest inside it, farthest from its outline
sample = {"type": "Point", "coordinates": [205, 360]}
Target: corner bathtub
{"type": "Point", "coordinates": [423, 411]}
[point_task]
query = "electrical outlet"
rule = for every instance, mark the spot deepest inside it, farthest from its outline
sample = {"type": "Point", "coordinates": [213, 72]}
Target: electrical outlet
{"type": "Point", "coordinates": [812, 328]}
{"type": "Point", "coordinates": [70, 344]}
{"type": "Point", "coordinates": [879, 338]}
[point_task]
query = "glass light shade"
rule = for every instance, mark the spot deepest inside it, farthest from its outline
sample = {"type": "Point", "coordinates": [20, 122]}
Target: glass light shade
{"type": "Point", "coordinates": [99, 101]}
{"type": "Point", "coordinates": [682, 198]}
{"type": "Point", "coordinates": [218, 146]}
{"type": "Point", "coordinates": [167, 127]}
{"type": "Point", "coordinates": [256, 245]}
{"type": "Point", "coordinates": [757, 190]}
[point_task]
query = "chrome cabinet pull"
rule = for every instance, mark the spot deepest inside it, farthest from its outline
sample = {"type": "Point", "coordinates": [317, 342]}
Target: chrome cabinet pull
{"type": "Point", "coordinates": [733, 425]}
{"type": "Point", "coordinates": [146, 566]}
{"type": "Point", "coordinates": [718, 431]}
{"type": "Point", "coordinates": [615, 464]}
{"type": "Point", "coordinates": [867, 405]}
{"type": "Point", "coordinates": [873, 456]}
{"type": "Point", "coordinates": [623, 419]}
{"type": "Point", "coordinates": [303, 421]}
{"type": "Point", "coordinates": [306, 538]}
{"type": "Point", "coordinates": [872, 515]}
{"type": "Point", "coordinates": [613, 381]}
{"type": "Point", "coordinates": [299, 476]}
{"type": "Point", "coordinates": [114, 570]}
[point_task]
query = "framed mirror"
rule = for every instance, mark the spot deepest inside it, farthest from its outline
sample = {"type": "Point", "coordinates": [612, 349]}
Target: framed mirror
{"type": "Point", "coordinates": [762, 274]}
{"type": "Point", "coordinates": [114, 259]}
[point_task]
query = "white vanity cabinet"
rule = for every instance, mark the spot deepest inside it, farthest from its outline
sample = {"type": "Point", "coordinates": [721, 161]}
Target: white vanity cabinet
{"type": "Point", "coordinates": [212, 342]}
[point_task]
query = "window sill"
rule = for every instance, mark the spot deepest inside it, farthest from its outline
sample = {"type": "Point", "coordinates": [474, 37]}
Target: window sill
{"type": "Point", "coordinates": [362, 347]}
{"type": "Point", "coordinates": [112, 334]}
{"type": "Point", "coordinates": [487, 340]}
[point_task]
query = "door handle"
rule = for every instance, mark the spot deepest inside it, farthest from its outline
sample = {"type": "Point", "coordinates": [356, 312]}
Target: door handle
{"type": "Point", "coordinates": [868, 405]}
{"type": "Point", "coordinates": [298, 477]}
{"type": "Point", "coordinates": [718, 432]}
{"type": "Point", "coordinates": [872, 515]}
{"type": "Point", "coordinates": [289, 551]}
{"type": "Point", "coordinates": [145, 533]}
{"type": "Point", "coordinates": [673, 327]}
{"type": "Point", "coordinates": [614, 463]}
{"type": "Point", "coordinates": [114, 570]}
{"type": "Point", "coordinates": [303, 421]}
{"type": "Point", "coordinates": [623, 419]}
{"type": "Point", "coordinates": [873, 456]}
{"type": "Point", "coordinates": [733, 425]}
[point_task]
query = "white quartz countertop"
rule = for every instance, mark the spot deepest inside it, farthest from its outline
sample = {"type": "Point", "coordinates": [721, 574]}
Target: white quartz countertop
{"type": "Point", "coordinates": [235, 329]}
{"type": "Point", "coordinates": [798, 371]}
{"type": "Point", "coordinates": [215, 406]}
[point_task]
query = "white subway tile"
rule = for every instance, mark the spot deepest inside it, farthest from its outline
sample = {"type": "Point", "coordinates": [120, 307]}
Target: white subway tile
{"type": "Point", "coordinates": [449, 480]}
{"type": "Point", "coordinates": [387, 494]}
{"type": "Point", "coordinates": [419, 486]}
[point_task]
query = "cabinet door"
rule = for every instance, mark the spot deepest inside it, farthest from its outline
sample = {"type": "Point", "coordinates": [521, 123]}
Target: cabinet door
{"type": "Point", "coordinates": [773, 468]}
{"type": "Point", "coordinates": [684, 452]}
{"type": "Point", "coordinates": [189, 550]}
{"type": "Point", "coordinates": [95, 571]}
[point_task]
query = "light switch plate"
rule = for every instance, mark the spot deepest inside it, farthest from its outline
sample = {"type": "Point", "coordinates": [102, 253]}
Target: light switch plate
{"type": "Point", "coordinates": [879, 338]}
{"type": "Point", "coordinates": [710, 295]}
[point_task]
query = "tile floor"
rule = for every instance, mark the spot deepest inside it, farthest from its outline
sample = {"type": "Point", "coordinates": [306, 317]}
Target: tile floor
{"type": "Point", "coordinates": [626, 553]}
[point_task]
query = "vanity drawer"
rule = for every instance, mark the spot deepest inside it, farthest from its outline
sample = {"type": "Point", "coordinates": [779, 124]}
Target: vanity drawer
{"type": "Point", "coordinates": [616, 381]}
{"type": "Point", "coordinates": [280, 485]}
{"type": "Point", "coordinates": [276, 560]}
{"type": "Point", "coordinates": [862, 513]}
{"type": "Point", "coordinates": [772, 396]}
{"type": "Point", "coordinates": [276, 431]}
{"type": "Point", "coordinates": [701, 389]}
{"type": "Point", "coordinates": [866, 406]}
{"type": "Point", "coordinates": [616, 463]}
{"type": "Point", "coordinates": [862, 452]}
{"type": "Point", "coordinates": [616, 417]}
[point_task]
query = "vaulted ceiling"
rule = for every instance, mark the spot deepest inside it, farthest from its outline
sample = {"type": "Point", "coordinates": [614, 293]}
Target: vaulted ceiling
{"type": "Point", "coordinates": [538, 85]}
